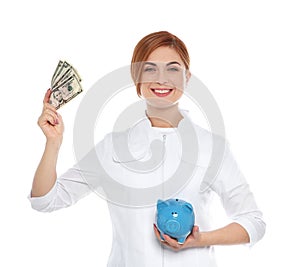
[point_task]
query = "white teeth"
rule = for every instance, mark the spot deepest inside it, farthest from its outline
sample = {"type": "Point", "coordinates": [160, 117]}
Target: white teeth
{"type": "Point", "coordinates": [161, 91]}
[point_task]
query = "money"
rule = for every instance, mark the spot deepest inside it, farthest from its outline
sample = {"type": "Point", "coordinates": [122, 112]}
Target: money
{"type": "Point", "coordinates": [65, 84]}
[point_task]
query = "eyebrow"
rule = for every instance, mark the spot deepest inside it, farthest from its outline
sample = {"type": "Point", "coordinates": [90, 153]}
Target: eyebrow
{"type": "Point", "coordinates": [173, 62]}
{"type": "Point", "coordinates": [168, 64]}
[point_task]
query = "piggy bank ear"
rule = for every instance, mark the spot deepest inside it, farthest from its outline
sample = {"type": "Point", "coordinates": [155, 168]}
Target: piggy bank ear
{"type": "Point", "coordinates": [188, 207]}
{"type": "Point", "coordinates": [161, 204]}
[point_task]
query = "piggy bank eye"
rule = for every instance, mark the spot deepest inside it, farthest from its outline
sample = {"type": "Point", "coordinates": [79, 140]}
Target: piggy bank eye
{"type": "Point", "coordinates": [175, 214]}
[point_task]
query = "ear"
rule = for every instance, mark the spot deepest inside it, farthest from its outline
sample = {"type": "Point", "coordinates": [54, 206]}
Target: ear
{"type": "Point", "coordinates": [161, 204]}
{"type": "Point", "coordinates": [188, 207]}
{"type": "Point", "coordinates": [188, 75]}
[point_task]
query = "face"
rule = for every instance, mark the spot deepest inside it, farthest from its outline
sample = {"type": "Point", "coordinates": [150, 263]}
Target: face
{"type": "Point", "coordinates": [66, 91]}
{"type": "Point", "coordinates": [163, 77]}
{"type": "Point", "coordinates": [58, 95]}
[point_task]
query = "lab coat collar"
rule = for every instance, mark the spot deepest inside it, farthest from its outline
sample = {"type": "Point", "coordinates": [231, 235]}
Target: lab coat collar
{"type": "Point", "coordinates": [134, 143]}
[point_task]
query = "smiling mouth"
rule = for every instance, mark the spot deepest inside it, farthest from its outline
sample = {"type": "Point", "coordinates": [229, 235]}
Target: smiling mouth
{"type": "Point", "coordinates": [161, 92]}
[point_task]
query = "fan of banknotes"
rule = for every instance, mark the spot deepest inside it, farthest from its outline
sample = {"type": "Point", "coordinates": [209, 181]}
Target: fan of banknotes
{"type": "Point", "coordinates": [65, 84]}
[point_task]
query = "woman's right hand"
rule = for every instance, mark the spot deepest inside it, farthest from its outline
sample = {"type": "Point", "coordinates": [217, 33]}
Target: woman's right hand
{"type": "Point", "coordinates": [50, 121]}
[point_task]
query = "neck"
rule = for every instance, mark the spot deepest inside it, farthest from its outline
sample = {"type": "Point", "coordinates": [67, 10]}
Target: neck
{"type": "Point", "coordinates": [167, 117]}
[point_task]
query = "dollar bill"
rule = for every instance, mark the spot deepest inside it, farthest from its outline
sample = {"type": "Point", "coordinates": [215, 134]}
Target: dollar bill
{"type": "Point", "coordinates": [63, 77]}
{"type": "Point", "coordinates": [63, 73]}
{"type": "Point", "coordinates": [63, 68]}
{"type": "Point", "coordinates": [56, 71]}
{"type": "Point", "coordinates": [65, 84]}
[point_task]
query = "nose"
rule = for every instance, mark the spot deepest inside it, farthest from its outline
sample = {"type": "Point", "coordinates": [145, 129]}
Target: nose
{"type": "Point", "coordinates": [162, 77]}
{"type": "Point", "coordinates": [172, 226]}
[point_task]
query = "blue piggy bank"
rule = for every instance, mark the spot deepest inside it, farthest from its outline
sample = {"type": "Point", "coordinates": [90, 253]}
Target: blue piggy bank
{"type": "Point", "coordinates": [175, 218]}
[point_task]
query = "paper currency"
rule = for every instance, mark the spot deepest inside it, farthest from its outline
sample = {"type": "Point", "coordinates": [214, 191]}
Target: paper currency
{"type": "Point", "coordinates": [65, 84]}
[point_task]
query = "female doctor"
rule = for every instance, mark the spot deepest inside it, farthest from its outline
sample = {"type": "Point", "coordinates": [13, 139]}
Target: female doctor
{"type": "Point", "coordinates": [160, 70]}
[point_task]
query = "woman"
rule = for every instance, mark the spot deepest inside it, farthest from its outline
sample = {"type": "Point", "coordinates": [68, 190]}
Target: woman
{"type": "Point", "coordinates": [160, 70]}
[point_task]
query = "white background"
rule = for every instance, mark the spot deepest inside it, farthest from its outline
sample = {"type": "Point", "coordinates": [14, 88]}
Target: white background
{"type": "Point", "coordinates": [245, 52]}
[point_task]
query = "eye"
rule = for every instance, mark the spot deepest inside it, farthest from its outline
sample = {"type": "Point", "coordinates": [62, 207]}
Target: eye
{"type": "Point", "coordinates": [149, 69]}
{"type": "Point", "coordinates": [173, 69]}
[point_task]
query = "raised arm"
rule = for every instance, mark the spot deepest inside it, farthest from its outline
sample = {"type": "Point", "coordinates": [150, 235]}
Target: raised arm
{"type": "Point", "coordinates": [51, 124]}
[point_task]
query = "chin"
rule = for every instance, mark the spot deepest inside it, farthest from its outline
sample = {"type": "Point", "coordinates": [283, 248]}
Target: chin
{"type": "Point", "coordinates": [160, 103]}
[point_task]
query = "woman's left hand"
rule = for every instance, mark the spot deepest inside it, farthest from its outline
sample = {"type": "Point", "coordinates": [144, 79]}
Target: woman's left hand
{"type": "Point", "coordinates": [193, 240]}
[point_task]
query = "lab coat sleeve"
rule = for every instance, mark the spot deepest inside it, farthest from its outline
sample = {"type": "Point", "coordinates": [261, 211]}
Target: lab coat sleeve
{"type": "Point", "coordinates": [237, 198]}
{"type": "Point", "coordinates": [70, 187]}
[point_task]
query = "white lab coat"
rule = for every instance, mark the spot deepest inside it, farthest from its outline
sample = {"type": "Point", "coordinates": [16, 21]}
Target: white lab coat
{"type": "Point", "coordinates": [134, 243]}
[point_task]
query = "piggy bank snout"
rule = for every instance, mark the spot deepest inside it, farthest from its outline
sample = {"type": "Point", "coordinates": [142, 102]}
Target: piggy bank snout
{"type": "Point", "coordinates": [172, 226]}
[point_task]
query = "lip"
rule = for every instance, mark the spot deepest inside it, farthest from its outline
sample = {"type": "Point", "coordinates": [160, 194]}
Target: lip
{"type": "Point", "coordinates": [162, 92]}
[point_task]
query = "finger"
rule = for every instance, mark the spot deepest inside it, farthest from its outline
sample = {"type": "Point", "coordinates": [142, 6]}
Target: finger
{"type": "Point", "coordinates": [195, 229]}
{"type": "Point", "coordinates": [49, 106]}
{"type": "Point", "coordinates": [47, 96]}
{"type": "Point", "coordinates": [157, 233]}
{"type": "Point", "coordinates": [46, 117]}
{"type": "Point", "coordinates": [59, 118]}
{"type": "Point", "coordinates": [195, 232]}
{"type": "Point", "coordinates": [49, 113]}
{"type": "Point", "coordinates": [155, 229]}
{"type": "Point", "coordinates": [172, 242]}
{"type": "Point", "coordinates": [52, 113]}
